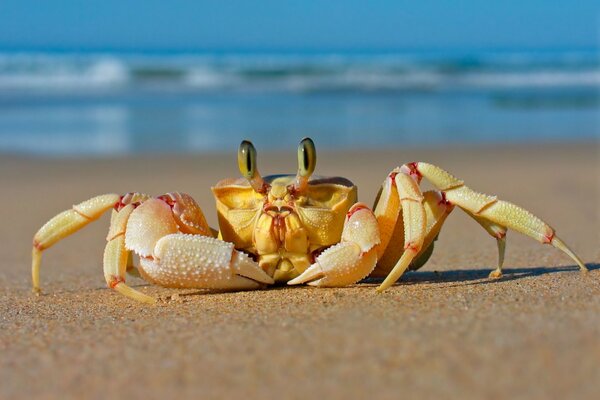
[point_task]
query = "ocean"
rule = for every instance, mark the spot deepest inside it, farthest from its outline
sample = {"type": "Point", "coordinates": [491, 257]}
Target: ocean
{"type": "Point", "coordinates": [99, 103]}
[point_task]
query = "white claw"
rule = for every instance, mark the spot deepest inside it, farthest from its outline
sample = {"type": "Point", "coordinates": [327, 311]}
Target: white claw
{"type": "Point", "coordinates": [351, 260]}
{"type": "Point", "coordinates": [361, 227]}
{"type": "Point", "coordinates": [310, 274]}
{"type": "Point", "coordinates": [340, 265]}
{"type": "Point", "coordinates": [149, 222]}
{"type": "Point", "coordinates": [246, 267]}
{"type": "Point", "coordinates": [173, 259]}
{"type": "Point", "coordinates": [194, 261]}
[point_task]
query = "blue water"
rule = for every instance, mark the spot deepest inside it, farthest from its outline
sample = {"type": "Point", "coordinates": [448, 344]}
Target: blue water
{"type": "Point", "coordinates": [106, 103]}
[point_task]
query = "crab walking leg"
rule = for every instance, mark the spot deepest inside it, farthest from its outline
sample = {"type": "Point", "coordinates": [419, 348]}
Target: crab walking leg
{"type": "Point", "coordinates": [387, 212]}
{"type": "Point", "coordinates": [350, 260]}
{"type": "Point", "coordinates": [391, 227]}
{"type": "Point", "coordinates": [499, 233]}
{"type": "Point", "coordinates": [413, 213]}
{"type": "Point", "coordinates": [116, 257]}
{"type": "Point", "coordinates": [63, 225]}
{"type": "Point", "coordinates": [490, 208]}
{"type": "Point", "coordinates": [437, 210]}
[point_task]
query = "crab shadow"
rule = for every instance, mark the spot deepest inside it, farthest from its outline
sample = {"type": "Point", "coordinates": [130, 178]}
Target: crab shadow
{"type": "Point", "coordinates": [456, 277]}
{"type": "Point", "coordinates": [464, 277]}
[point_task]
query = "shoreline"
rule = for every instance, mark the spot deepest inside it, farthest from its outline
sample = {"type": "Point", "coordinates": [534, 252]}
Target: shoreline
{"type": "Point", "coordinates": [510, 146]}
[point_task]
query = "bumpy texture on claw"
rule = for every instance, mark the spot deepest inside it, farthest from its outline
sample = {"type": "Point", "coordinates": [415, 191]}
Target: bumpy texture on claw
{"type": "Point", "coordinates": [193, 261]}
{"type": "Point", "coordinates": [351, 260]}
{"type": "Point", "coordinates": [173, 259]}
{"type": "Point", "coordinates": [148, 223]}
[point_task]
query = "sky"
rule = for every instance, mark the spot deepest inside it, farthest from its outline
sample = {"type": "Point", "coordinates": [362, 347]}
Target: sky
{"type": "Point", "coordinates": [308, 24]}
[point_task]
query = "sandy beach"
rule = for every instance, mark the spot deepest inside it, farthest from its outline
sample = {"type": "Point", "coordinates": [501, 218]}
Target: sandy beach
{"type": "Point", "coordinates": [445, 331]}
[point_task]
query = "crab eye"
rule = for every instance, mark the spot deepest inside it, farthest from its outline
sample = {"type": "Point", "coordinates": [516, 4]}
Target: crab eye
{"type": "Point", "coordinates": [247, 159]}
{"type": "Point", "coordinates": [248, 168]}
{"type": "Point", "coordinates": [307, 157]}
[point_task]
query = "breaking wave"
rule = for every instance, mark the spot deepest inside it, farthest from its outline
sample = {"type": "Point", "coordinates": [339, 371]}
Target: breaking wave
{"type": "Point", "coordinates": [310, 73]}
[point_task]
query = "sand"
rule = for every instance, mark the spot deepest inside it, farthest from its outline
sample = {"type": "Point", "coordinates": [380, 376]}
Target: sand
{"type": "Point", "coordinates": [444, 331]}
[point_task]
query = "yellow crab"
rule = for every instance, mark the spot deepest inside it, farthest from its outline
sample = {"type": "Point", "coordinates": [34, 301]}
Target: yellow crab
{"type": "Point", "coordinates": [286, 228]}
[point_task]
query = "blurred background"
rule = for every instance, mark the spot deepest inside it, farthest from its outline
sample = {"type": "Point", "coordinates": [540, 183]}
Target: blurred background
{"type": "Point", "coordinates": [115, 78]}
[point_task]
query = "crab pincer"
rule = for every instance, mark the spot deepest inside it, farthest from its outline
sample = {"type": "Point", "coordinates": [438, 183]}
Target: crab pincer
{"type": "Point", "coordinates": [352, 259]}
{"type": "Point", "coordinates": [174, 259]}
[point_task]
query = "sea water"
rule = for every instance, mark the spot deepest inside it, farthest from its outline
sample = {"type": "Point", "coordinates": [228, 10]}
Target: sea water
{"type": "Point", "coordinates": [57, 103]}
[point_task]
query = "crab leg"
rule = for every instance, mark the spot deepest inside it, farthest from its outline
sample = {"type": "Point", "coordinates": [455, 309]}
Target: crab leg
{"type": "Point", "coordinates": [64, 224]}
{"type": "Point", "coordinates": [436, 212]}
{"type": "Point", "coordinates": [350, 260]}
{"type": "Point", "coordinates": [499, 233]}
{"type": "Point", "coordinates": [413, 212]}
{"type": "Point", "coordinates": [116, 257]}
{"type": "Point", "coordinates": [501, 213]}
{"type": "Point", "coordinates": [387, 211]}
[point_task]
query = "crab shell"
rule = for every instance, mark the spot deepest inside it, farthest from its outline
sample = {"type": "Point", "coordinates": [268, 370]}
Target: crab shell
{"type": "Point", "coordinates": [282, 229]}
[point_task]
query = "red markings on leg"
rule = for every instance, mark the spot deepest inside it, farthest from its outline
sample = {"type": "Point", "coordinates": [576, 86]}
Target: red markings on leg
{"type": "Point", "coordinates": [114, 281]}
{"type": "Point", "coordinates": [124, 201]}
{"type": "Point", "coordinates": [38, 246]}
{"type": "Point", "coordinates": [412, 170]}
{"type": "Point", "coordinates": [444, 201]}
{"type": "Point", "coordinates": [414, 167]}
{"type": "Point", "coordinates": [355, 208]}
{"type": "Point", "coordinates": [392, 176]}
{"type": "Point", "coordinates": [548, 237]}
{"type": "Point", "coordinates": [412, 247]}
{"type": "Point", "coordinates": [167, 199]}
{"type": "Point", "coordinates": [119, 206]}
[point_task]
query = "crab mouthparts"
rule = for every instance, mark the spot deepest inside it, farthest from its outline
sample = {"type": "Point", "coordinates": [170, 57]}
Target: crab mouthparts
{"type": "Point", "coordinates": [278, 209]}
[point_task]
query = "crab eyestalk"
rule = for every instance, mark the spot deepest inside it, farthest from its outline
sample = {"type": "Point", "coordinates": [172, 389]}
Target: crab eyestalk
{"type": "Point", "coordinates": [307, 161]}
{"type": "Point", "coordinates": [248, 167]}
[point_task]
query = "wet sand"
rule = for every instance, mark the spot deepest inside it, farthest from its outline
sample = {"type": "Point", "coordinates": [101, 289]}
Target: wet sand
{"type": "Point", "coordinates": [445, 331]}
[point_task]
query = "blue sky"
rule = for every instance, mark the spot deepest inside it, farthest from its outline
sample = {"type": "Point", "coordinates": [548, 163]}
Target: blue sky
{"type": "Point", "coordinates": [350, 24]}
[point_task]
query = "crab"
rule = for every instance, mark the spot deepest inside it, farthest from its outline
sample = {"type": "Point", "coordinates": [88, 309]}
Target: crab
{"type": "Point", "coordinates": [287, 229]}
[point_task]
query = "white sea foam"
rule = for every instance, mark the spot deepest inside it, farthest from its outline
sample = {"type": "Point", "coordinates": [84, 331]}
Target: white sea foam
{"type": "Point", "coordinates": [58, 74]}
{"type": "Point", "coordinates": [199, 77]}
{"type": "Point", "coordinates": [533, 79]}
{"type": "Point", "coordinates": [296, 73]}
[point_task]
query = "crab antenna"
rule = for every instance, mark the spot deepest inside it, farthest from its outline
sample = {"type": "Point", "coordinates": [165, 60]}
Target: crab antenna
{"type": "Point", "coordinates": [307, 161]}
{"type": "Point", "coordinates": [248, 168]}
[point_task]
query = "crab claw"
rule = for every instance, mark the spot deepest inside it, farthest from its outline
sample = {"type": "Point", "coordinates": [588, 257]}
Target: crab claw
{"type": "Point", "coordinates": [173, 259]}
{"type": "Point", "coordinates": [148, 223]}
{"type": "Point", "coordinates": [194, 261]}
{"type": "Point", "coordinates": [352, 259]}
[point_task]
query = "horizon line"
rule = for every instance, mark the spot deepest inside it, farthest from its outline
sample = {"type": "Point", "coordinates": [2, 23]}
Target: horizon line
{"type": "Point", "coordinates": [291, 50]}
